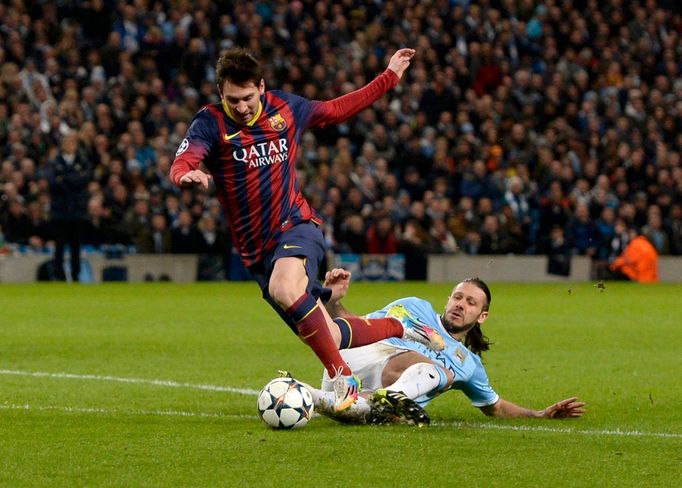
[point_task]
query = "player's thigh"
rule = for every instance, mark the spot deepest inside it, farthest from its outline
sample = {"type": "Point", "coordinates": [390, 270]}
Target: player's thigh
{"type": "Point", "coordinates": [397, 365]}
{"type": "Point", "coordinates": [296, 260]}
{"type": "Point", "coordinates": [290, 273]}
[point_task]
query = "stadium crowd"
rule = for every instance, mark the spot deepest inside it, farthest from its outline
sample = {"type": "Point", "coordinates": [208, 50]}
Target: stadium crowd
{"type": "Point", "coordinates": [550, 127]}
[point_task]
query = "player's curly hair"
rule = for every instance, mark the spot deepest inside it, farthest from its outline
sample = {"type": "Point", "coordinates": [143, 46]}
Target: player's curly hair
{"type": "Point", "coordinates": [238, 66]}
{"type": "Point", "coordinates": [475, 340]}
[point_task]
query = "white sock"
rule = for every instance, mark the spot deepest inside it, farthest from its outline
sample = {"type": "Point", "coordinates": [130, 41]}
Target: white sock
{"type": "Point", "coordinates": [419, 379]}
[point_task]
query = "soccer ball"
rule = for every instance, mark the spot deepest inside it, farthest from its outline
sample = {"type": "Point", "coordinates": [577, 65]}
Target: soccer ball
{"type": "Point", "coordinates": [284, 403]}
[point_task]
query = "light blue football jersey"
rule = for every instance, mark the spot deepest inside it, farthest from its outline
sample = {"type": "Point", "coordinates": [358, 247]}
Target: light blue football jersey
{"type": "Point", "coordinates": [470, 375]}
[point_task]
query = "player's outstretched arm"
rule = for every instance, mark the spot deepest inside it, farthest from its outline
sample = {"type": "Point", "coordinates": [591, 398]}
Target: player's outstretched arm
{"type": "Point", "coordinates": [400, 61]}
{"type": "Point", "coordinates": [341, 108]}
{"type": "Point", "coordinates": [568, 408]}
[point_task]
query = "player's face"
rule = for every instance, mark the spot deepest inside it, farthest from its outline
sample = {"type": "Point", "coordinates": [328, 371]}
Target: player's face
{"type": "Point", "coordinates": [242, 100]}
{"type": "Point", "coordinates": [464, 308]}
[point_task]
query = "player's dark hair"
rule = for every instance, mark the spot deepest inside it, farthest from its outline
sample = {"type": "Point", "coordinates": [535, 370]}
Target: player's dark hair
{"type": "Point", "coordinates": [475, 341]}
{"type": "Point", "coordinates": [238, 66]}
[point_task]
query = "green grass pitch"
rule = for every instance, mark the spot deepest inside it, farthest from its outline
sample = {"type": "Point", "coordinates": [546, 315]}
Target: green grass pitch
{"type": "Point", "coordinates": [154, 385]}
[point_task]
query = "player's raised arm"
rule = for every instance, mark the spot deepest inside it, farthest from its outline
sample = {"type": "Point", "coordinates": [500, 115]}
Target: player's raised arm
{"type": "Point", "coordinates": [400, 61]}
{"type": "Point", "coordinates": [341, 108]}
{"type": "Point", "coordinates": [568, 408]}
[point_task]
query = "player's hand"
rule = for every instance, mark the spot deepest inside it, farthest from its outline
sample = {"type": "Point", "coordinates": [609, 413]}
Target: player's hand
{"type": "Point", "coordinates": [400, 61]}
{"type": "Point", "coordinates": [338, 280]}
{"type": "Point", "coordinates": [195, 177]}
{"type": "Point", "coordinates": [570, 407]}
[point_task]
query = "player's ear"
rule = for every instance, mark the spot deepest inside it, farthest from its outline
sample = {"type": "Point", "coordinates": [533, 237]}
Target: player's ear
{"type": "Point", "coordinates": [482, 318]}
{"type": "Point", "coordinates": [261, 87]}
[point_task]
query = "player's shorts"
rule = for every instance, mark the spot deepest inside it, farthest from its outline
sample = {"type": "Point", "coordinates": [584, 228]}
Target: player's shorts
{"type": "Point", "coordinates": [303, 240]}
{"type": "Point", "coordinates": [368, 363]}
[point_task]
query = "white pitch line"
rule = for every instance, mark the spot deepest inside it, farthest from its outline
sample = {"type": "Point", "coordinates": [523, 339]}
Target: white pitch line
{"type": "Point", "coordinates": [246, 391]}
{"type": "Point", "coordinates": [140, 381]}
{"type": "Point", "coordinates": [108, 411]}
{"type": "Point", "coordinates": [555, 430]}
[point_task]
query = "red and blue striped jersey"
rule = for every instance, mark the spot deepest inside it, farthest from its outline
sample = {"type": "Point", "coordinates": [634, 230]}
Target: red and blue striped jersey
{"type": "Point", "coordinates": [253, 165]}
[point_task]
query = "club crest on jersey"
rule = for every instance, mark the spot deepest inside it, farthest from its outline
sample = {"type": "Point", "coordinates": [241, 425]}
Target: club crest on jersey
{"type": "Point", "coordinates": [277, 122]}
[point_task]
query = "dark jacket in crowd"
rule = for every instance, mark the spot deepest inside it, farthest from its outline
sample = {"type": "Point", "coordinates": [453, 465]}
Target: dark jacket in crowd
{"type": "Point", "coordinates": [69, 187]}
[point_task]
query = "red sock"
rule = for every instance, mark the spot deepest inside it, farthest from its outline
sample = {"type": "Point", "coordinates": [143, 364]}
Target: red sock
{"type": "Point", "coordinates": [356, 331]}
{"type": "Point", "coordinates": [313, 330]}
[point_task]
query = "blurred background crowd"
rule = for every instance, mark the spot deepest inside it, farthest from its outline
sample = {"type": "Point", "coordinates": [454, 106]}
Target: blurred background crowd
{"type": "Point", "coordinates": [551, 127]}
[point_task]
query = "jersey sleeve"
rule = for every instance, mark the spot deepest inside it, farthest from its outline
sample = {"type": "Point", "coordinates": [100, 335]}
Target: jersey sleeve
{"type": "Point", "coordinates": [201, 139]}
{"type": "Point", "coordinates": [478, 388]}
{"type": "Point", "coordinates": [339, 109]}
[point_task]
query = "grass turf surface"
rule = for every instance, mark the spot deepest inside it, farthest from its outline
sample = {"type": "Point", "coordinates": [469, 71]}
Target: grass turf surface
{"type": "Point", "coordinates": [82, 425]}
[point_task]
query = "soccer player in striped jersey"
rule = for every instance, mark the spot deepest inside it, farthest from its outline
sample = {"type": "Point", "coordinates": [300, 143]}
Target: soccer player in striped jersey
{"type": "Point", "coordinates": [248, 145]}
{"type": "Point", "coordinates": [420, 373]}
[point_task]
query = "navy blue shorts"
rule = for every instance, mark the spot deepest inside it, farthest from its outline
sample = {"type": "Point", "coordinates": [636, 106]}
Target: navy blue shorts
{"type": "Point", "coordinates": [302, 240]}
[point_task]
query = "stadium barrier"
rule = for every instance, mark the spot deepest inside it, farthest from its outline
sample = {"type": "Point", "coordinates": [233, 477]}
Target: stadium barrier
{"type": "Point", "coordinates": [516, 268]}
{"type": "Point", "coordinates": [182, 268]}
{"type": "Point", "coordinates": [95, 268]}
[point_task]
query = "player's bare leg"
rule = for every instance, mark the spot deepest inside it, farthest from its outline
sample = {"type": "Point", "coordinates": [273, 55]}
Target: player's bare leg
{"type": "Point", "coordinates": [415, 375]}
{"type": "Point", "coordinates": [288, 284]}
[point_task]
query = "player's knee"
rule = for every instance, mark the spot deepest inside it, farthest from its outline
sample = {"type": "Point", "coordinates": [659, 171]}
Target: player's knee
{"type": "Point", "coordinates": [445, 376]}
{"type": "Point", "coordinates": [285, 291]}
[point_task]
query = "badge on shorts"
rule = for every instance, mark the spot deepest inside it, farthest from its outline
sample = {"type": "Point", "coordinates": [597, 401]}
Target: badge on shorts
{"type": "Point", "coordinates": [277, 122]}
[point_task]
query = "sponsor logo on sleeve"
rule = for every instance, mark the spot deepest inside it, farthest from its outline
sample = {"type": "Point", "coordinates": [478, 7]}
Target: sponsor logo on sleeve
{"type": "Point", "coordinates": [183, 147]}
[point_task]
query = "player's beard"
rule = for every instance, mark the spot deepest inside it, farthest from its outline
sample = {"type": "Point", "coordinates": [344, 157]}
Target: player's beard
{"type": "Point", "coordinates": [454, 328]}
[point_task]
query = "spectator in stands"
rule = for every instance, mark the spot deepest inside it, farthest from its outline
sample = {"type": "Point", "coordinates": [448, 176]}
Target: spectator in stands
{"type": "Point", "coordinates": [137, 219]}
{"type": "Point", "coordinates": [606, 230]}
{"type": "Point", "coordinates": [69, 175]}
{"type": "Point", "coordinates": [157, 238]}
{"type": "Point", "coordinates": [444, 241]}
{"type": "Point", "coordinates": [213, 263]}
{"type": "Point", "coordinates": [558, 253]}
{"type": "Point", "coordinates": [4, 246]}
{"type": "Point", "coordinates": [415, 242]}
{"type": "Point", "coordinates": [381, 238]}
{"type": "Point", "coordinates": [554, 212]}
{"type": "Point", "coordinates": [517, 200]}
{"type": "Point", "coordinates": [352, 237]}
{"type": "Point", "coordinates": [673, 227]}
{"type": "Point", "coordinates": [185, 237]}
{"type": "Point", "coordinates": [654, 231]}
{"type": "Point", "coordinates": [16, 222]}
{"type": "Point", "coordinates": [582, 233]}
{"type": "Point", "coordinates": [493, 241]}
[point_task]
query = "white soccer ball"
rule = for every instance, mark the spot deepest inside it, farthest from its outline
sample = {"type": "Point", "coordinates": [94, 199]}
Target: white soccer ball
{"type": "Point", "coordinates": [284, 403]}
